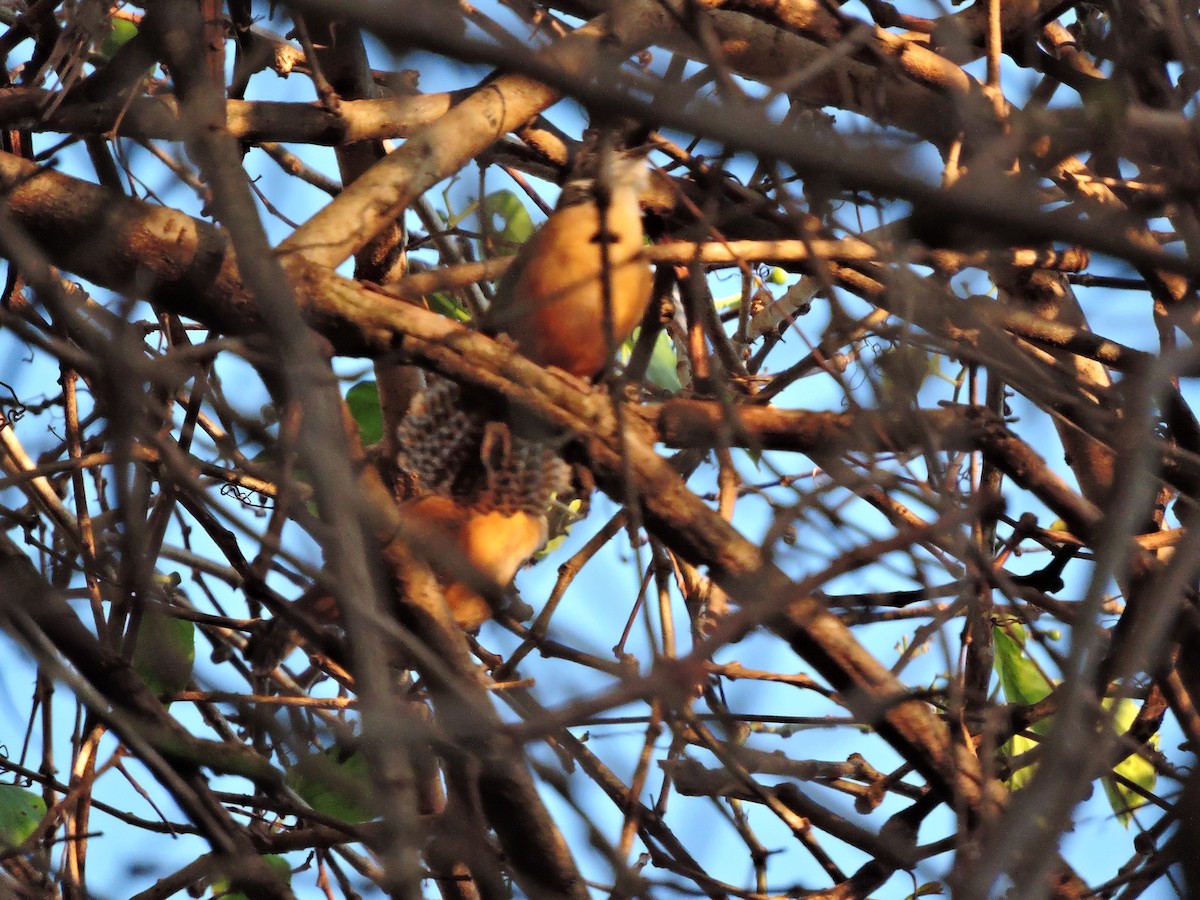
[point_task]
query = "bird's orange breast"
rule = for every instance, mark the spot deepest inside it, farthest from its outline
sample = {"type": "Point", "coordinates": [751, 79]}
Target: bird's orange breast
{"type": "Point", "coordinates": [494, 543]}
{"type": "Point", "coordinates": [575, 276]}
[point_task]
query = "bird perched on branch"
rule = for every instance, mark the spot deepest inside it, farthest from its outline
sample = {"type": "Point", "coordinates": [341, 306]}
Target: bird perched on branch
{"type": "Point", "coordinates": [485, 488]}
{"type": "Point", "coordinates": [574, 293]}
{"type": "Point", "coordinates": [580, 284]}
{"type": "Point", "coordinates": [481, 496]}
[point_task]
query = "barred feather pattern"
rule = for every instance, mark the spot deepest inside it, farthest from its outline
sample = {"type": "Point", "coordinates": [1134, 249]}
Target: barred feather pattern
{"type": "Point", "coordinates": [454, 447]}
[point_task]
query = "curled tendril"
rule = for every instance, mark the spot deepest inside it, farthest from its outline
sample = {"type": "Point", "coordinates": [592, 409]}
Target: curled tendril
{"type": "Point", "coordinates": [17, 410]}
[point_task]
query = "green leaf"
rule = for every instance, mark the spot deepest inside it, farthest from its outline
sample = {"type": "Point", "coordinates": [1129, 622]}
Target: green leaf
{"type": "Point", "coordinates": [363, 402]}
{"type": "Point", "coordinates": [334, 783]}
{"type": "Point", "coordinates": [1023, 681]}
{"type": "Point", "coordinates": [663, 367]}
{"type": "Point", "coordinates": [447, 305]}
{"type": "Point", "coordinates": [1133, 767]}
{"type": "Point", "coordinates": [515, 226]}
{"type": "Point", "coordinates": [279, 866]}
{"type": "Point", "coordinates": [726, 303]}
{"type": "Point", "coordinates": [20, 813]}
{"type": "Point", "coordinates": [165, 651]}
{"type": "Point", "coordinates": [1012, 748]}
{"type": "Point", "coordinates": [121, 32]}
{"type": "Point", "coordinates": [1024, 684]}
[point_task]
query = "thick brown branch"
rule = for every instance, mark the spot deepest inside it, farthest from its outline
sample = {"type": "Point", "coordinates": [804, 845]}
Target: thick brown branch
{"type": "Point", "coordinates": [158, 118]}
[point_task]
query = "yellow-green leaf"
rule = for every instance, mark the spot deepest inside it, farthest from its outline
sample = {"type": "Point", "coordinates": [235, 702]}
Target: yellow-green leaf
{"type": "Point", "coordinates": [1024, 684]}
{"type": "Point", "coordinates": [447, 305]}
{"type": "Point", "coordinates": [1133, 767]}
{"type": "Point", "coordinates": [663, 369]}
{"type": "Point", "coordinates": [1012, 748]}
{"type": "Point", "coordinates": [278, 865]}
{"type": "Point", "coordinates": [165, 651]}
{"type": "Point", "coordinates": [121, 32]}
{"type": "Point", "coordinates": [334, 783]}
{"type": "Point", "coordinates": [363, 402]}
{"type": "Point", "coordinates": [514, 226]}
{"type": "Point", "coordinates": [927, 889]}
{"type": "Point", "coordinates": [1023, 681]}
{"type": "Point", "coordinates": [561, 520]}
{"type": "Point", "coordinates": [20, 813]}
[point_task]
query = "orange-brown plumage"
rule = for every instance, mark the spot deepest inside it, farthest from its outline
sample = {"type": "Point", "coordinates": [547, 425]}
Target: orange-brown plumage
{"type": "Point", "coordinates": [496, 544]}
{"type": "Point", "coordinates": [552, 300]}
{"type": "Point", "coordinates": [576, 290]}
{"type": "Point", "coordinates": [484, 491]}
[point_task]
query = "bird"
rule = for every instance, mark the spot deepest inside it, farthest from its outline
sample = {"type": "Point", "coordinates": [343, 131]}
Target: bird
{"type": "Point", "coordinates": [574, 293]}
{"type": "Point", "coordinates": [479, 490]}
{"type": "Point", "coordinates": [480, 486]}
{"type": "Point", "coordinates": [580, 285]}
{"type": "Point", "coordinates": [495, 544]}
